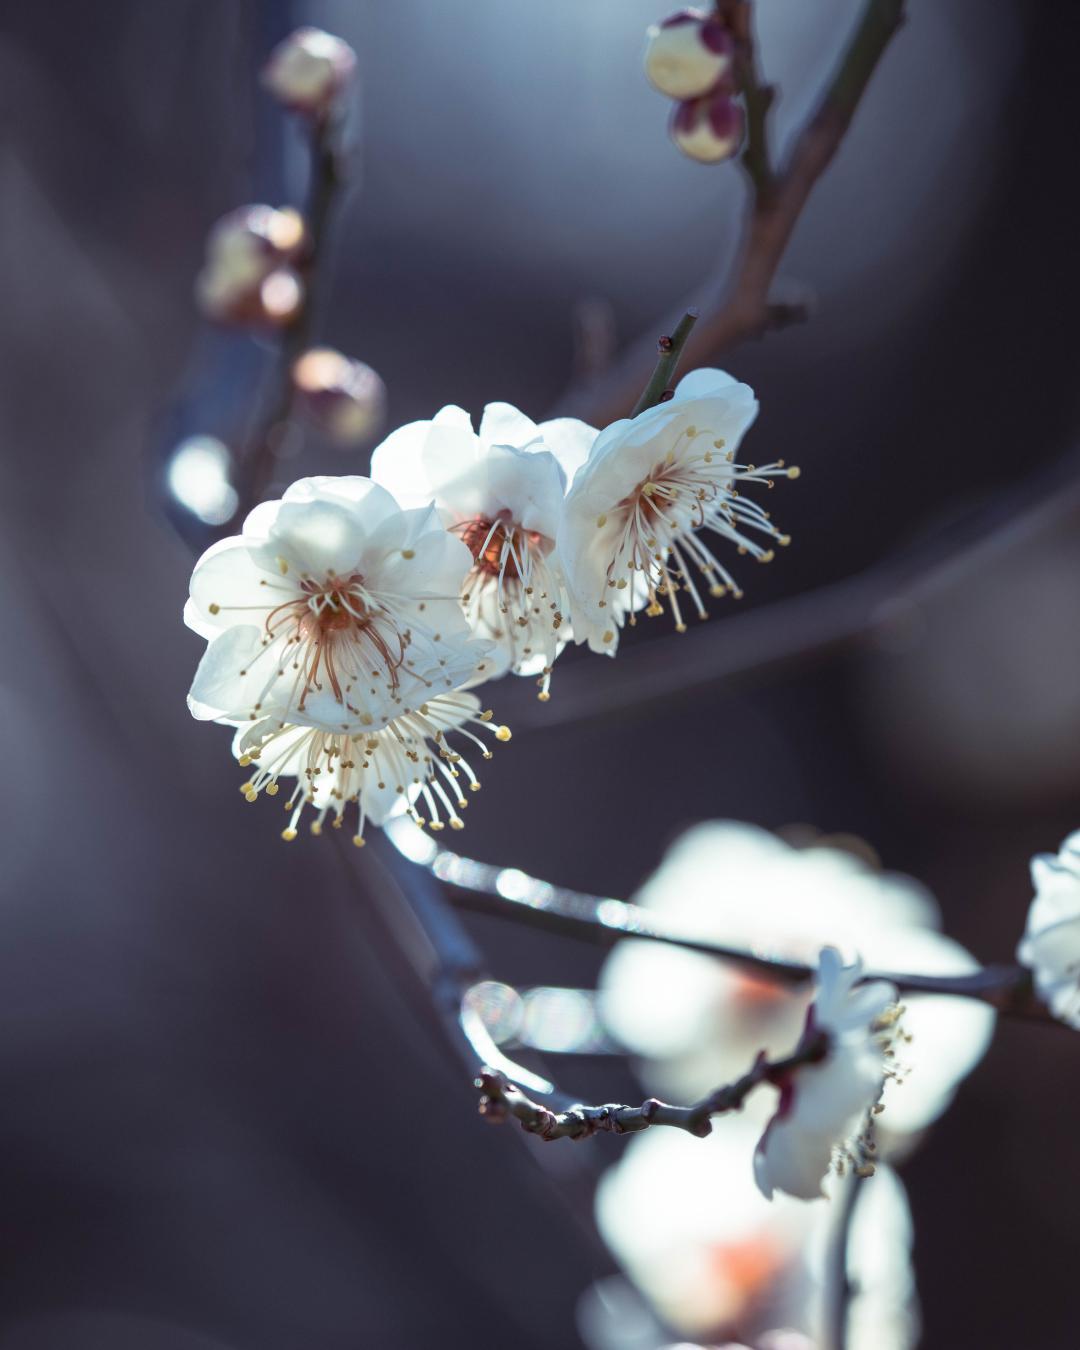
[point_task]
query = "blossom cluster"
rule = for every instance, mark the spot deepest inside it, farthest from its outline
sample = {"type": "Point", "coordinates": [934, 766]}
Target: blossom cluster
{"type": "Point", "coordinates": [350, 622]}
{"type": "Point", "coordinates": [690, 57]}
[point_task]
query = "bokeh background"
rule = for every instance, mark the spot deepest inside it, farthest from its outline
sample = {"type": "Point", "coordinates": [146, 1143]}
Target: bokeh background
{"type": "Point", "coordinates": [227, 1118]}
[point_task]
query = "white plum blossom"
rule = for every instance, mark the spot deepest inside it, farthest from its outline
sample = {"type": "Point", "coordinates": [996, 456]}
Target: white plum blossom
{"type": "Point", "coordinates": [308, 71]}
{"type": "Point", "coordinates": [1050, 947]}
{"type": "Point", "coordinates": [698, 1022]}
{"type": "Point", "coordinates": [500, 491]}
{"type": "Point", "coordinates": [690, 1228]}
{"type": "Point", "coordinates": [422, 756]}
{"type": "Point", "coordinates": [334, 609]}
{"type": "Point", "coordinates": [708, 129]}
{"type": "Point", "coordinates": [249, 275]}
{"type": "Point", "coordinates": [688, 53]}
{"type": "Point", "coordinates": [826, 1103]}
{"type": "Point", "coordinates": [636, 511]}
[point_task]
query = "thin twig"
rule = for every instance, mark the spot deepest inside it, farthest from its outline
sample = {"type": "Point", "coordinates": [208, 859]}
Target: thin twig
{"type": "Point", "coordinates": [605, 922]}
{"type": "Point", "coordinates": [741, 309]}
{"type": "Point", "coordinates": [500, 1098]}
{"type": "Point", "coordinates": [668, 352]}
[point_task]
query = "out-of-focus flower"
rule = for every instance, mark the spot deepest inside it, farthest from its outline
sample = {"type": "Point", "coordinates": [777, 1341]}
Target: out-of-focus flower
{"type": "Point", "coordinates": [309, 70]}
{"type": "Point", "coordinates": [334, 609]}
{"type": "Point", "coordinates": [1051, 943]}
{"type": "Point", "coordinates": [688, 1225]}
{"type": "Point", "coordinates": [632, 527]}
{"type": "Point", "coordinates": [826, 1104]}
{"type": "Point", "coordinates": [698, 1022]}
{"type": "Point", "coordinates": [249, 276]}
{"type": "Point", "coordinates": [708, 129]}
{"type": "Point", "coordinates": [501, 492]}
{"type": "Point", "coordinates": [344, 398]}
{"type": "Point", "coordinates": [416, 757]}
{"type": "Point", "coordinates": [687, 54]}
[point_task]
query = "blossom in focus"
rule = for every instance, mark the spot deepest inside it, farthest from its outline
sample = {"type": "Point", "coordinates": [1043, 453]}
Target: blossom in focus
{"type": "Point", "coordinates": [500, 491]}
{"type": "Point", "coordinates": [426, 755]}
{"type": "Point", "coordinates": [1050, 947]}
{"type": "Point", "coordinates": [708, 129]}
{"type": "Point", "coordinates": [717, 1260]}
{"type": "Point", "coordinates": [826, 1104]}
{"type": "Point", "coordinates": [249, 276]}
{"type": "Point", "coordinates": [344, 398]}
{"type": "Point", "coordinates": [687, 54]}
{"type": "Point", "coordinates": [698, 1022]}
{"type": "Point", "coordinates": [334, 609]}
{"type": "Point", "coordinates": [308, 71]}
{"type": "Point", "coordinates": [637, 510]}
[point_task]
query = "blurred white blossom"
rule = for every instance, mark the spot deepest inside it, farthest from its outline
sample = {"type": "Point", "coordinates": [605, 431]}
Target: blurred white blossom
{"type": "Point", "coordinates": [698, 1022]}
{"type": "Point", "coordinates": [501, 492]}
{"type": "Point", "coordinates": [334, 609]}
{"type": "Point", "coordinates": [309, 70]}
{"type": "Point", "coordinates": [249, 274]}
{"type": "Point", "coordinates": [634, 516]}
{"type": "Point", "coordinates": [826, 1104]}
{"type": "Point", "coordinates": [688, 1225]}
{"type": "Point", "coordinates": [688, 53]}
{"type": "Point", "coordinates": [1051, 943]}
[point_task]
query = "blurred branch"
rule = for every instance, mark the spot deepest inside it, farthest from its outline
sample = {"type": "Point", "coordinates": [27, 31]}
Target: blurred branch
{"type": "Point", "coordinates": [837, 1286]}
{"type": "Point", "coordinates": [327, 177]}
{"type": "Point", "coordinates": [811, 626]}
{"type": "Point", "coordinates": [604, 922]}
{"type": "Point", "coordinates": [741, 309]}
{"type": "Point", "coordinates": [500, 1098]}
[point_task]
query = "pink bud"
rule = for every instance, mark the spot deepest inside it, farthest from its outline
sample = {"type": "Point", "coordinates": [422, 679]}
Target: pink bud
{"type": "Point", "coordinates": [687, 54]}
{"type": "Point", "coordinates": [345, 399]}
{"type": "Point", "coordinates": [248, 276]}
{"type": "Point", "coordinates": [309, 71]}
{"type": "Point", "coordinates": [708, 129]}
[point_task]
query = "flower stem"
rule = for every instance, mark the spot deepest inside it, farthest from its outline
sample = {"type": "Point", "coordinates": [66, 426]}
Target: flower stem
{"type": "Point", "coordinates": [669, 349]}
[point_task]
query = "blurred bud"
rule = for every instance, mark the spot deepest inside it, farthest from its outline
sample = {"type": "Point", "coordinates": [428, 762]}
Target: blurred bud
{"type": "Point", "coordinates": [248, 276]}
{"type": "Point", "coordinates": [344, 398]}
{"type": "Point", "coordinates": [198, 477]}
{"type": "Point", "coordinates": [687, 54]}
{"type": "Point", "coordinates": [309, 70]}
{"type": "Point", "coordinates": [708, 129]}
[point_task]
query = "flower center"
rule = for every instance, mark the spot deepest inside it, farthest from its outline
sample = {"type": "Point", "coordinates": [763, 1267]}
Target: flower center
{"type": "Point", "coordinates": [499, 547]}
{"type": "Point", "coordinates": [339, 635]}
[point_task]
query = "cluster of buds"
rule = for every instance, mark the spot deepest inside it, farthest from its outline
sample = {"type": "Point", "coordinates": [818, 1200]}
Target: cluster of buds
{"type": "Point", "coordinates": [690, 58]}
{"type": "Point", "coordinates": [250, 275]}
{"type": "Point", "coordinates": [344, 398]}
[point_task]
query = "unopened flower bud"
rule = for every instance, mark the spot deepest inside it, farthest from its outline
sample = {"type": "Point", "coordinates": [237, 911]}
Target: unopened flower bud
{"type": "Point", "coordinates": [687, 54]}
{"type": "Point", "coordinates": [308, 71]}
{"type": "Point", "coordinates": [345, 399]}
{"type": "Point", "coordinates": [708, 129]}
{"type": "Point", "coordinates": [248, 276]}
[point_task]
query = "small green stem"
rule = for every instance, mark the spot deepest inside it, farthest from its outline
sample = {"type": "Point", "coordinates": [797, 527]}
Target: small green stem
{"type": "Point", "coordinates": [669, 349]}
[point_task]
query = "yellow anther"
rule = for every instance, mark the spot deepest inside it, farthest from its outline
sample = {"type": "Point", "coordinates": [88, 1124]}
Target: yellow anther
{"type": "Point", "coordinates": [288, 834]}
{"type": "Point", "coordinates": [503, 734]}
{"type": "Point", "coordinates": [214, 609]}
{"type": "Point", "coordinates": [283, 566]}
{"type": "Point", "coordinates": [244, 761]}
{"type": "Point", "coordinates": [408, 553]}
{"type": "Point", "coordinates": [316, 827]}
{"type": "Point", "coordinates": [456, 824]}
{"type": "Point", "coordinates": [359, 841]}
{"type": "Point", "coordinates": [609, 636]}
{"type": "Point", "coordinates": [543, 696]}
{"type": "Point", "coordinates": [601, 521]}
{"type": "Point", "coordinates": [486, 715]}
{"type": "Point", "coordinates": [794, 471]}
{"type": "Point", "coordinates": [271, 789]}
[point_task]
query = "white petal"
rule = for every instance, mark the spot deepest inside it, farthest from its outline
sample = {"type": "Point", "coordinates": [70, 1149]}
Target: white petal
{"type": "Point", "coordinates": [503, 424]}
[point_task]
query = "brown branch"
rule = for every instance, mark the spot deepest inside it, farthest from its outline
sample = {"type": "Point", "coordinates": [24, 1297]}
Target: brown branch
{"type": "Point", "coordinates": [501, 1099]}
{"type": "Point", "coordinates": [742, 310]}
